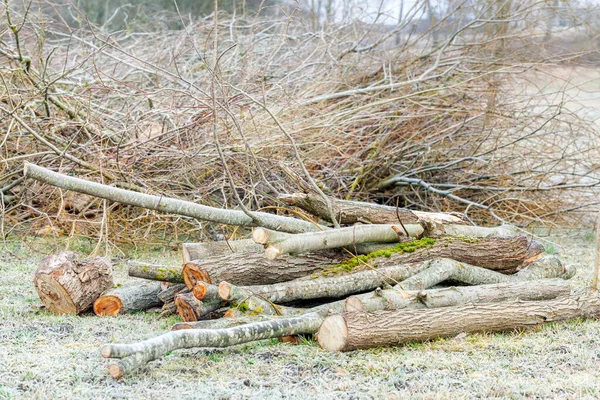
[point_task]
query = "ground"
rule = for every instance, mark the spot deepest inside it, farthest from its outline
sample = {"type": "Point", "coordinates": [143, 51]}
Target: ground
{"type": "Point", "coordinates": [47, 356]}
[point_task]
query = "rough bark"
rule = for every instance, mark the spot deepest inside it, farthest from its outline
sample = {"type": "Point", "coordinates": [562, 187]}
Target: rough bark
{"type": "Point", "coordinates": [208, 250]}
{"type": "Point", "coordinates": [257, 305]}
{"type": "Point", "coordinates": [357, 330]}
{"type": "Point", "coordinates": [165, 204]}
{"type": "Point", "coordinates": [393, 299]}
{"type": "Point", "coordinates": [144, 270]}
{"type": "Point", "coordinates": [444, 269]}
{"type": "Point", "coordinates": [222, 323]}
{"type": "Point", "coordinates": [130, 297]}
{"type": "Point", "coordinates": [132, 356]}
{"type": "Point", "coordinates": [278, 244]}
{"type": "Point", "coordinates": [68, 285]}
{"type": "Point", "coordinates": [352, 212]}
{"type": "Point", "coordinates": [324, 287]}
{"type": "Point", "coordinates": [205, 291]}
{"type": "Point", "coordinates": [169, 293]}
{"type": "Point", "coordinates": [190, 308]}
{"type": "Point", "coordinates": [505, 254]}
{"type": "Point", "coordinates": [253, 268]}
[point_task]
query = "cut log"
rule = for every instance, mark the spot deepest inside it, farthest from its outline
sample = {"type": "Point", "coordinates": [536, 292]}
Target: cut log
{"type": "Point", "coordinates": [222, 323]}
{"type": "Point", "coordinates": [165, 204]}
{"type": "Point", "coordinates": [393, 299]}
{"type": "Point", "coordinates": [359, 330]}
{"type": "Point", "coordinates": [69, 285]}
{"type": "Point", "coordinates": [324, 287]}
{"type": "Point", "coordinates": [205, 291]}
{"type": "Point", "coordinates": [144, 270]}
{"type": "Point", "coordinates": [169, 293]}
{"type": "Point", "coordinates": [207, 250]}
{"type": "Point", "coordinates": [278, 244]}
{"type": "Point", "coordinates": [253, 268]}
{"type": "Point", "coordinates": [130, 297]}
{"type": "Point", "coordinates": [352, 212]}
{"type": "Point", "coordinates": [190, 308]}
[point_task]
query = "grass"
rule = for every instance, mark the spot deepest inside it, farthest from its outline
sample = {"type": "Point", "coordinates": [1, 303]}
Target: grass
{"type": "Point", "coordinates": [48, 357]}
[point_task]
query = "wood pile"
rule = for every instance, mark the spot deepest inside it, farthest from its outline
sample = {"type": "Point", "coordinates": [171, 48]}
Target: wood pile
{"type": "Point", "coordinates": [396, 275]}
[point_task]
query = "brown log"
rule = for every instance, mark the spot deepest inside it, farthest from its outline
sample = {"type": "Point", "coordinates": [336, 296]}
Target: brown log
{"type": "Point", "coordinates": [130, 297]}
{"type": "Point", "coordinates": [351, 212]}
{"type": "Point", "coordinates": [253, 268]}
{"type": "Point", "coordinates": [69, 285]}
{"type": "Point", "coordinates": [208, 250]}
{"type": "Point", "coordinates": [190, 308]}
{"type": "Point", "coordinates": [358, 330]}
{"type": "Point", "coordinates": [163, 273]}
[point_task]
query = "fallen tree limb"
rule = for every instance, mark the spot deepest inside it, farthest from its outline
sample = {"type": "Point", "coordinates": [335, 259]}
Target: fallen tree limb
{"type": "Point", "coordinates": [130, 297]}
{"type": "Point", "coordinates": [207, 250]}
{"type": "Point", "coordinates": [393, 299]}
{"type": "Point", "coordinates": [165, 204]}
{"type": "Point", "coordinates": [324, 287]}
{"type": "Point", "coordinates": [134, 355]}
{"type": "Point", "coordinates": [190, 308]}
{"type": "Point", "coordinates": [221, 323]}
{"type": "Point", "coordinates": [278, 244]}
{"type": "Point", "coordinates": [144, 270]}
{"type": "Point", "coordinates": [358, 330]}
{"type": "Point", "coordinates": [169, 293]}
{"type": "Point", "coordinates": [253, 268]}
{"type": "Point", "coordinates": [352, 212]}
{"type": "Point", "coordinates": [67, 284]}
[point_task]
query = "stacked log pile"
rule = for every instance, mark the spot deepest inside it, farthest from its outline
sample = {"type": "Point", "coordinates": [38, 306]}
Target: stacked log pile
{"type": "Point", "coordinates": [394, 276]}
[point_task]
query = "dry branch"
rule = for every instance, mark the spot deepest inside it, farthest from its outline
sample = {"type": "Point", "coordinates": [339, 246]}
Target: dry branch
{"type": "Point", "coordinates": [68, 285]}
{"type": "Point", "coordinates": [207, 250]}
{"type": "Point", "coordinates": [130, 297]}
{"type": "Point", "coordinates": [358, 330]}
{"type": "Point", "coordinates": [140, 269]}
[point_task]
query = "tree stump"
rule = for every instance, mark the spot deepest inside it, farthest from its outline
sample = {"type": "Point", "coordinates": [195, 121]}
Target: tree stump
{"type": "Point", "coordinates": [68, 285]}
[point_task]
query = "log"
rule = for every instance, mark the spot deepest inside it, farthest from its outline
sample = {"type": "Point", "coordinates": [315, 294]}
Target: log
{"type": "Point", "coordinates": [190, 308]}
{"type": "Point", "coordinates": [393, 299]}
{"type": "Point", "coordinates": [258, 305]}
{"type": "Point", "coordinates": [144, 270]}
{"type": "Point", "coordinates": [253, 268]}
{"type": "Point", "coordinates": [130, 297]}
{"type": "Point", "coordinates": [359, 330]}
{"type": "Point", "coordinates": [169, 293]}
{"type": "Point", "coordinates": [207, 250]}
{"type": "Point", "coordinates": [278, 244]}
{"type": "Point", "coordinates": [165, 204]}
{"type": "Point", "coordinates": [352, 212]}
{"type": "Point", "coordinates": [67, 284]}
{"type": "Point", "coordinates": [324, 287]}
{"type": "Point", "coordinates": [222, 323]}
{"type": "Point", "coordinates": [205, 291]}
{"type": "Point", "coordinates": [132, 356]}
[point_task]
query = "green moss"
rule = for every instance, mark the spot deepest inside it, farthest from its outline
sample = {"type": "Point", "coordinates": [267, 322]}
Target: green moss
{"type": "Point", "coordinates": [405, 247]}
{"type": "Point", "coordinates": [468, 239]}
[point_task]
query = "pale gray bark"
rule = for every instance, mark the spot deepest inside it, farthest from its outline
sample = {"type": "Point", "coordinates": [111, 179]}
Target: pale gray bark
{"type": "Point", "coordinates": [205, 291]}
{"type": "Point", "coordinates": [127, 298]}
{"type": "Point", "coordinates": [207, 250]}
{"type": "Point", "coordinates": [165, 204]}
{"type": "Point", "coordinates": [141, 269]}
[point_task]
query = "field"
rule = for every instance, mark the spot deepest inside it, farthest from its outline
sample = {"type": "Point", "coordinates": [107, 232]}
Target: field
{"type": "Point", "coordinates": [49, 357]}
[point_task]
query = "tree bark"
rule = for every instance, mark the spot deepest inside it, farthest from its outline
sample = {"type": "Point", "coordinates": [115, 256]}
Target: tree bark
{"type": "Point", "coordinates": [324, 287]}
{"type": "Point", "coordinates": [68, 285]}
{"type": "Point", "coordinates": [169, 293]}
{"type": "Point", "coordinates": [144, 270]}
{"type": "Point", "coordinates": [130, 297]}
{"type": "Point", "coordinates": [204, 291]}
{"type": "Point", "coordinates": [278, 244]}
{"type": "Point", "coordinates": [207, 250]}
{"type": "Point", "coordinates": [393, 299]}
{"type": "Point", "coordinates": [165, 204]}
{"type": "Point", "coordinates": [222, 323]}
{"type": "Point", "coordinates": [190, 308]}
{"type": "Point", "coordinates": [352, 212]}
{"type": "Point", "coordinates": [253, 268]}
{"type": "Point", "coordinates": [359, 330]}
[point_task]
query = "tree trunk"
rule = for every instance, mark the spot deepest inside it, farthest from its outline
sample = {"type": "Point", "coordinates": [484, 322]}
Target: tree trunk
{"type": "Point", "coordinates": [130, 297]}
{"type": "Point", "coordinates": [165, 204]}
{"type": "Point", "coordinates": [253, 268]}
{"type": "Point", "coordinates": [68, 285]}
{"type": "Point", "coordinates": [222, 323]}
{"type": "Point", "coordinates": [393, 299]}
{"type": "Point", "coordinates": [190, 308]}
{"type": "Point", "coordinates": [352, 212]}
{"type": "Point", "coordinates": [144, 270]}
{"type": "Point", "coordinates": [208, 250]}
{"type": "Point", "coordinates": [359, 330]}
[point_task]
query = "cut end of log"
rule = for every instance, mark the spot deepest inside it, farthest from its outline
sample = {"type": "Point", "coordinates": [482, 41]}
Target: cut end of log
{"type": "Point", "coordinates": [353, 303]}
{"type": "Point", "coordinates": [185, 310]}
{"type": "Point", "coordinates": [260, 235]}
{"type": "Point", "coordinates": [192, 274]}
{"type": "Point", "coordinates": [225, 290]}
{"type": "Point", "coordinates": [114, 370]}
{"type": "Point", "coordinates": [272, 252]}
{"type": "Point", "coordinates": [199, 290]}
{"type": "Point", "coordinates": [108, 306]}
{"type": "Point", "coordinates": [53, 295]}
{"type": "Point", "coordinates": [333, 334]}
{"type": "Point", "coordinates": [105, 351]}
{"type": "Point", "coordinates": [180, 326]}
